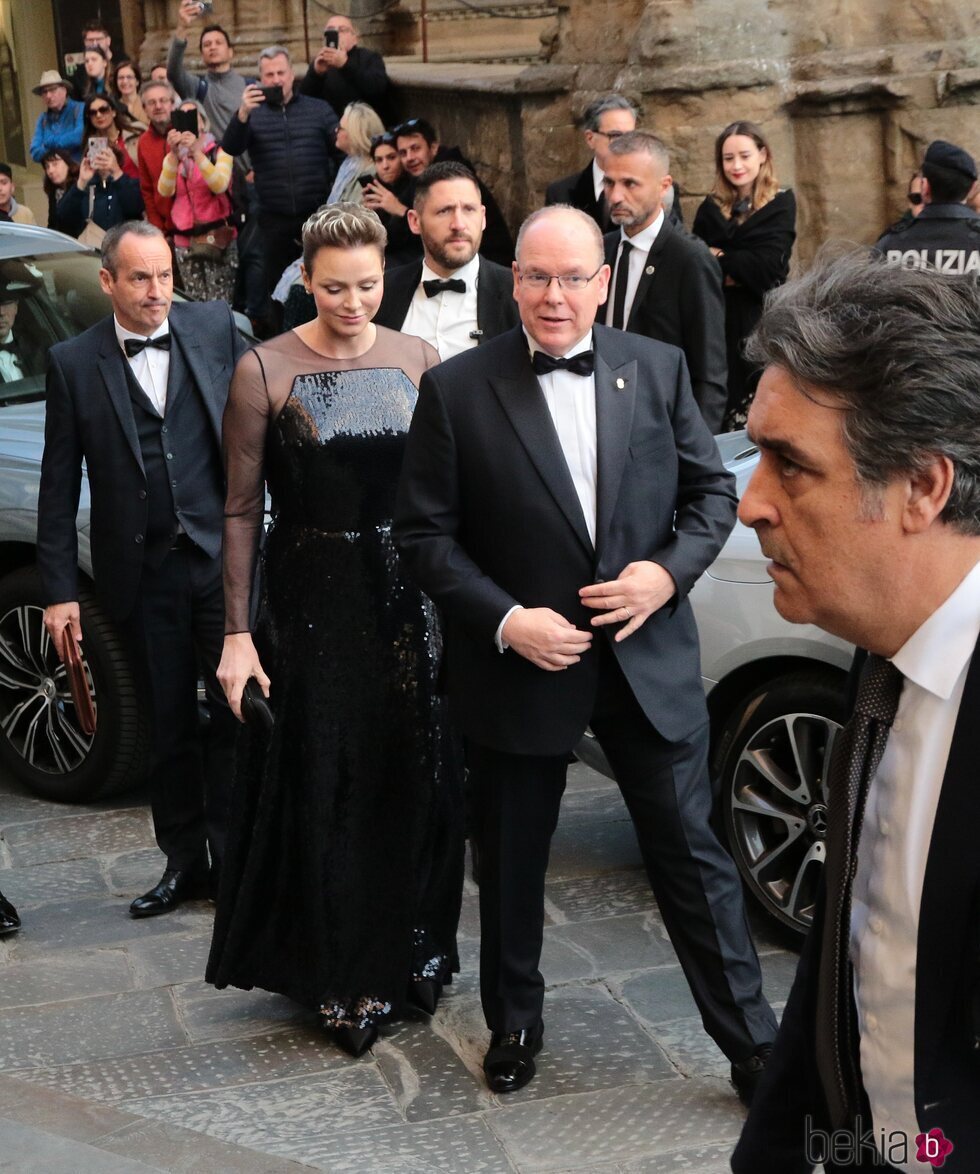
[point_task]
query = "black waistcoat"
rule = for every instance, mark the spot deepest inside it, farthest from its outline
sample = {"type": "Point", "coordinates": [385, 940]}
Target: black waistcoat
{"type": "Point", "coordinates": [181, 461]}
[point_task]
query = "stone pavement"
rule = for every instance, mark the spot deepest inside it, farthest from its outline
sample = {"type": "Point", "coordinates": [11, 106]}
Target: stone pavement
{"type": "Point", "coordinates": [116, 1057]}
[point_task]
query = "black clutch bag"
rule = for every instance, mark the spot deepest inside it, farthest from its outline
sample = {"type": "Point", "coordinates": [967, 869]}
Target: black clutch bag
{"type": "Point", "coordinates": [255, 708]}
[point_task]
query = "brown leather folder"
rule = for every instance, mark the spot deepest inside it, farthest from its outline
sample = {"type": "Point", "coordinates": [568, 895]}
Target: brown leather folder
{"type": "Point", "coordinates": [81, 694]}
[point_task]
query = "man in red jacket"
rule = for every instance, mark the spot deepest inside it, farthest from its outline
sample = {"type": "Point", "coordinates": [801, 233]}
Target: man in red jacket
{"type": "Point", "coordinates": [158, 102]}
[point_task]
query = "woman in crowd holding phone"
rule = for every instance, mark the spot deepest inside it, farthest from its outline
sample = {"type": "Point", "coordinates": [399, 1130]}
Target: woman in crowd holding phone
{"type": "Point", "coordinates": [60, 174]}
{"type": "Point", "coordinates": [197, 173]}
{"type": "Point", "coordinates": [102, 196]}
{"type": "Point", "coordinates": [126, 80]}
{"type": "Point", "coordinates": [389, 193]}
{"type": "Point", "coordinates": [342, 880]}
{"type": "Point", "coordinates": [749, 223]}
{"type": "Point", "coordinates": [105, 123]}
{"type": "Point", "coordinates": [358, 125]}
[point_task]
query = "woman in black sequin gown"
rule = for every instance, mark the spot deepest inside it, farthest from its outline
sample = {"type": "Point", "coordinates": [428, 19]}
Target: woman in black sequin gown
{"type": "Point", "coordinates": [343, 875]}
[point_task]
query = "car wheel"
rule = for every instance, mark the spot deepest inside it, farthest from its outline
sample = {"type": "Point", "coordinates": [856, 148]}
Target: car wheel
{"type": "Point", "coordinates": [772, 764]}
{"type": "Point", "coordinates": [41, 741]}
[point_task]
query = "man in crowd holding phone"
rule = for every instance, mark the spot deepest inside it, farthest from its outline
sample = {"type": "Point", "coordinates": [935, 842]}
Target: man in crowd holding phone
{"type": "Point", "coordinates": [158, 102]}
{"type": "Point", "coordinates": [289, 137]}
{"type": "Point", "coordinates": [344, 71]}
{"type": "Point", "coordinates": [219, 89]}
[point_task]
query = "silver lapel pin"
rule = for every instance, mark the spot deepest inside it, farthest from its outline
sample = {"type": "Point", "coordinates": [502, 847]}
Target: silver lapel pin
{"type": "Point", "coordinates": [620, 383]}
{"type": "Point", "coordinates": [649, 270]}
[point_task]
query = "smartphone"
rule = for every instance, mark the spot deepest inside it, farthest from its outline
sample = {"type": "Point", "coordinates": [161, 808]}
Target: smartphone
{"type": "Point", "coordinates": [273, 94]}
{"type": "Point", "coordinates": [364, 180]}
{"type": "Point", "coordinates": [204, 6]}
{"type": "Point", "coordinates": [95, 145]}
{"type": "Point", "coordinates": [331, 38]}
{"type": "Point", "coordinates": [183, 120]}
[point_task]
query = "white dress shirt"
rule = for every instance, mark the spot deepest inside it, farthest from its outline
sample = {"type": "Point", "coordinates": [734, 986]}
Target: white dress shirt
{"type": "Point", "coordinates": [571, 404]}
{"type": "Point", "coordinates": [448, 320]}
{"type": "Point", "coordinates": [892, 853]}
{"type": "Point", "coordinates": [642, 244]}
{"type": "Point", "coordinates": [151, 366]}
{"type": "Point", "coordinates": [10, 365]}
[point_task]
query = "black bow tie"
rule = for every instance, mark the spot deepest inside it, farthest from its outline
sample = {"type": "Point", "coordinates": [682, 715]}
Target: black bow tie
{"type": "Point", "coordinates": [436, 286]}
{"type": "Point", "coordinates": [10, 347]}
{"type": "Point", "coordinates": [580, 364]}
{"type": "Point", "coordinates": [133, 346]}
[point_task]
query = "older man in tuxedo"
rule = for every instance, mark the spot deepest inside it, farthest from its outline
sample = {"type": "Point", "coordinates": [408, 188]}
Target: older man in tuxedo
{"type": "Point", "coordinates": [454, 298]}
{"type": "Point", "coordinates": [139, 398]}
{"type": "Point", "coordinates": [559, 498]}
{"type": "Point", "coordinates": [867, 500]}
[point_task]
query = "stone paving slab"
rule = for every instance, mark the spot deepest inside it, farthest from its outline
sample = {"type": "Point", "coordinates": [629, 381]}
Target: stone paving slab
{"type": "Point", "coordinates": [618, 1125]}
{"type": "Point", "coordinates": [44, 884]}
{"type": "Point", "coordinates": [208, 1014]}
{"type": "Point", "coordinates": [168, 959]}
{"type": "Point", "coordinates": [194, 1068]}
{"type": "Point", "coordinates": [60, 977]}
{"type": "Point", "coordinates": [133, 872]}
{"type": "Point", "coordinates": [56, 1111]}
{"type": "Point", "coordinates": [78, 925]}
{"type": "Point", "coordinates": [75, 837]}
{"type": "Point", "coordinates": [82, 1029]}
{"type": "Point", "coordinates": [32, 1151]}
{"type": "Point", "coordinates": [591, 949]}
{"type": "Point", "coordinates": [607, 895]}
{"type": "Point", "coordinates": [427, 1076]}
{"type": "Point", "coordinates": [288, 1117]}
{"type": "Point", "coordinates": [181, 1151]}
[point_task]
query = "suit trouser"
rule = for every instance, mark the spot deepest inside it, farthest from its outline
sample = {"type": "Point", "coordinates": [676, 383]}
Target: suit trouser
{"type": "Point", "coordinates": [177, 629]}
{"type": "Point", "coordinates": [695, 882]}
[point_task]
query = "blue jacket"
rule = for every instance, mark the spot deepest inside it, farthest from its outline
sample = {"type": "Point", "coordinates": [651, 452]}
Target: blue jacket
{"type": "Point", "coordinates": [290, 151]}
{"type": "Point", "coordinates": [59, 131]}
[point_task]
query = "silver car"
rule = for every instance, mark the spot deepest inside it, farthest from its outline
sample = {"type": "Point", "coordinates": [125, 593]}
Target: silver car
{"type": "Point", "coordinates": [774, 689]}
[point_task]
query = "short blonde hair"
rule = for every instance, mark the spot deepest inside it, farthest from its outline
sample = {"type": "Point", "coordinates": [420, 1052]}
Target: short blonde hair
{"type": "Point", "coordinates": [341, 226]}
{"type": "Point", "coordinates": [362, 124]}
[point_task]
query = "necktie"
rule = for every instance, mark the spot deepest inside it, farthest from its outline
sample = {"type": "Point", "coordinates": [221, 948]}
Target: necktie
{"type": "Point", "coordinates": [856, 755]}
{"type": "Point", "coordinates": [437, 286]}
{"type": "Point", "coordinates": [133, 346]}
{"type": "Point", "coordinates": [619, 296]}
{"type": "Point", "coordinates": [580, 364]}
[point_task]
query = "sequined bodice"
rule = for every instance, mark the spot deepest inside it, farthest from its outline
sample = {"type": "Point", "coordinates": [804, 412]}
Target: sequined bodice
{"type": "Point", "coordinates": [336, 447]}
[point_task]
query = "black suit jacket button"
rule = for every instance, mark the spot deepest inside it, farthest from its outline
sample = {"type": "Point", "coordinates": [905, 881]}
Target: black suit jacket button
{"type": "Point", "coordinates": [142, 495]}
{"type": "Point", "coordinates": [139, 539]}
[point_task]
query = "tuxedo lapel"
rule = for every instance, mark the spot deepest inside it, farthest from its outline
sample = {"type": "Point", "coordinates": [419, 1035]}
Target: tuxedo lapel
{"type": "Point", "coordinates": [186, 350]}
{"type": "Point", "coordinates": [649, 273]}
{"type": "Point", "coordinates": [615, 400]}
{"type": "Point", "coordinates": [114, 377]}
{"type": "Point", "coordinates": [947, 907]}
{"type": "Point", "coordinates": [520, 395]}
{"type": "Point", "coordinates": [400, 286]}
{"type": "Point", "coordinates": [490, 294]}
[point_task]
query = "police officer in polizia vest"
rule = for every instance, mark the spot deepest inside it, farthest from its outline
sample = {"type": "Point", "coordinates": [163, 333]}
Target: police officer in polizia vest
{"type": "Point", "coordinates": [946, 233]}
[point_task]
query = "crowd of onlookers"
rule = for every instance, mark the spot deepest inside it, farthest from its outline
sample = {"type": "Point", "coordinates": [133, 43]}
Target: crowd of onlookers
{"type": "Point", "coordinates": [230, 166]}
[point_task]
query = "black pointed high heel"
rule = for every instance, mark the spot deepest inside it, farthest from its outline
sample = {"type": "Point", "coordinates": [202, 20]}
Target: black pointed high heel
{"type": "Point", "coordinates": [355, 1041]}
{"type": "Point", "coordinates": [425, 993]}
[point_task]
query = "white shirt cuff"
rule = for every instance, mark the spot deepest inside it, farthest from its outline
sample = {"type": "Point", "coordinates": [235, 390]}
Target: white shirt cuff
{"type": "Point", "coordinates": [498, 636]}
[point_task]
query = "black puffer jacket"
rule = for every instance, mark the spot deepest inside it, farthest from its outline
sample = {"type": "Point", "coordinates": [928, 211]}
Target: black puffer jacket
{"type": "Point", "coordinates": [290, 151]}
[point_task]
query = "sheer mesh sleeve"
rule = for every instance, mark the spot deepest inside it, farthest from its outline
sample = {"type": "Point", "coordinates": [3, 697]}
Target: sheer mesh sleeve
{"type": "Point", "coordinates": [246, 422]}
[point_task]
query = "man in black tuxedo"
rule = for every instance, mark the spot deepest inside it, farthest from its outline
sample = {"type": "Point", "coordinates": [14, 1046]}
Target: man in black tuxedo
{"type": "Point", "coordinates": [20, 355]}
{"type": "Point", "coordinates": [867, 500]}
{"type": "Point", "coordinates": [453, 298]}
{"type": "Point", "coordinates": [559, 508]}
{"type": "Point", "coordinates": [139, 398]}
{"type": "Point", "coordinates": [665, 283]}
{"type": "Point", "coordinates": [605, 120]}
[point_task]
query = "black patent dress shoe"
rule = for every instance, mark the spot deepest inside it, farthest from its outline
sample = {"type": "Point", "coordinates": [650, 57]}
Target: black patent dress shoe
{"type": "Point", "coordinates": [175, 886]}
{"type": "Point", "coordinates": [355, 1041]}
{"type": "Point", "coordinates": [9, 921]}
{"type": "Point", "coordinates": [747, 1073]}
{"type": "Point", "coordinates": [509, 1062]}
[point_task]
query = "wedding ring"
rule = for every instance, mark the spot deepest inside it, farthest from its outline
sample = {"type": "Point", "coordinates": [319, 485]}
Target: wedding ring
{"type": "Point", "coordinates": [629, 614]}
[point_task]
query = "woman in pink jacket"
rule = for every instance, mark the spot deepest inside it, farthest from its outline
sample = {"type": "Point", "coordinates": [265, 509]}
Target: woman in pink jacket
{"type": "Point", "coordinates": [197, 173]}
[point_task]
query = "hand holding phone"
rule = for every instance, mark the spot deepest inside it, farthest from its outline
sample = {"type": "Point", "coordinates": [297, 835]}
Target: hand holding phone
{"type": "Point", "coordinates": [96, 145]}
{"type": "Point", "coordinates": [331, 39]}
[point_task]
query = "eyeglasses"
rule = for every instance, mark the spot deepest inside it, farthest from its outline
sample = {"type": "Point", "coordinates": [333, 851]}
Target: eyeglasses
{"type": "Point", "coordinates": [388, 137]}
{"type": "Point", "coordinates": [611, 134]}
{"type": "Point", "coordinates": [100, 109]}
{"type": "Point", "coordinates": [411, 127]}
{"type": "Point", "coordinates": [570, 281]}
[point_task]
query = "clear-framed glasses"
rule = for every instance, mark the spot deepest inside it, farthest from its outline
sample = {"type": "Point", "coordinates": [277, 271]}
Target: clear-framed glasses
{"type": "Point", "coordinates": [611, 134]}
{"type": "Point", "coordinates": [575, 282]}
